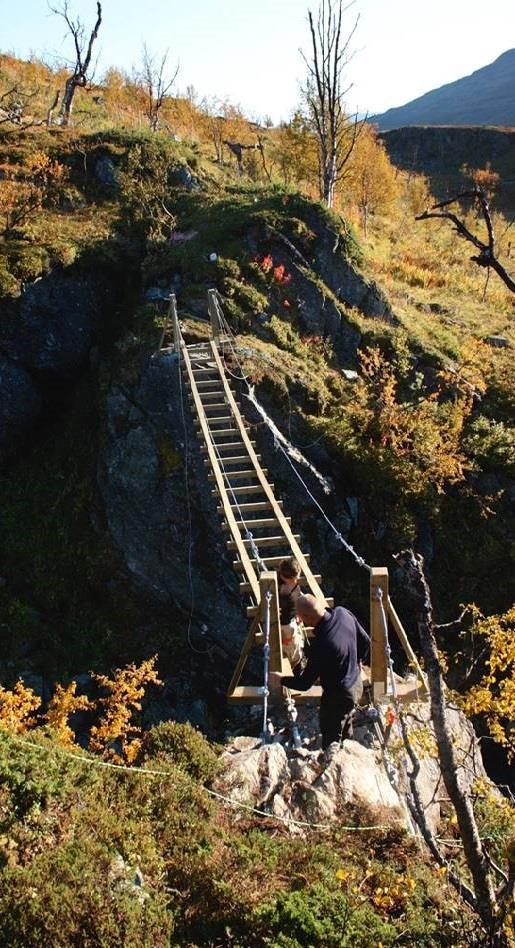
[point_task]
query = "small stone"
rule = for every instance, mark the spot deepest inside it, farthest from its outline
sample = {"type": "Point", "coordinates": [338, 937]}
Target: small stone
{"type": "Point", "coordinates": [499, 342]}
{"type": "Point", "coordinates": [350, 375]}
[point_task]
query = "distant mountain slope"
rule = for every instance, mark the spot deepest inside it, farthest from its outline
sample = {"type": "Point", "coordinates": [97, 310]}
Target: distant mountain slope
{"type": "Point", "coordinates": [487, 97]}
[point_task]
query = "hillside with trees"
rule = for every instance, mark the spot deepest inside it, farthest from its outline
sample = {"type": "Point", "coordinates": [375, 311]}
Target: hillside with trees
{"type": "Point", "coordinates": [373, 322]}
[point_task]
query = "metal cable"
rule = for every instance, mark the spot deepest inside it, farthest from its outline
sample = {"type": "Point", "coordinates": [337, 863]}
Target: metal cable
{"type": "Point", "coordinates": [347, 546]}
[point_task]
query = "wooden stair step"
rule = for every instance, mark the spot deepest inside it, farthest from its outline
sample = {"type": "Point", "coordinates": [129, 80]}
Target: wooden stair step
{"type": "Point", "coordinates": [236, 474]}
{"type": "Point", "coordinates": [267, 560]}
{"type": "Point", "coordinates": [223, 446]}
{"type": "Point", "coordinates": [262, 542]}
{"type": "Point", "coordinates": [251, 489]}
{"type": "Point", "coordinates": [214, 420]}
{"type": "Point", "coordinates": [247, 588]}
{"type": "Point", "coordinates": [251, 507]}
{"type": "Point", "coordinates": [225, 431]}
{"type": "Point", "coordinates": [253, 694]}
{"type": "Point", "coordinates": [237, 459]}
{"type": "Point", "coordinates": [214, 406]}
{"type": "Point", "coordinates": [254, 524]}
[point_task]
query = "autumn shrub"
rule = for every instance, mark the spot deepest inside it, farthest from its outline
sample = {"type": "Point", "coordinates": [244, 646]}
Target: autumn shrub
{"type": "Point", "coordinates": [9, 285]}
{"type": "Point", "coordinates": [183, 746]}
{"type": "Point", "coordinates": [321, 918]}
{"type": "Point", "coordinates": [492, 444]}
{"type": "Point", "coordinates": [493, 697]}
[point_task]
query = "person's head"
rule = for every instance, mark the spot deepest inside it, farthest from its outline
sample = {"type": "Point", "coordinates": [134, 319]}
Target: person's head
{"type": "Point", "coordinates": [289, 570]}
{"type": "Point", "coordinates": [310, 609]}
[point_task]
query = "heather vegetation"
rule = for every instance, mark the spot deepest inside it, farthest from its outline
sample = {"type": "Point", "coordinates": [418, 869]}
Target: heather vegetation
{"type": "Point", "coordinates": [422, 436]}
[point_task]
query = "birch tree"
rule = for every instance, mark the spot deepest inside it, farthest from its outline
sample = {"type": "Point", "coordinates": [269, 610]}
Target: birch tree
{"type": "Point", "coordinates": [82, 70]}
{"type": "Point", "coordinates": [325, 92]}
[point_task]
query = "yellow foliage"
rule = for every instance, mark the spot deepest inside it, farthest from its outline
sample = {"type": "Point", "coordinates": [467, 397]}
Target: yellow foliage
{"type": "Point", "coordinates": [124, 693]}
{"type": "Point", "coordinates": [17, 707]}
{"type": "Point", "coordinates": [420, 442]}
{"type": "Point", "coordinates": [494, 695]}
{"type": "Point", "coordinates": [63, 703]}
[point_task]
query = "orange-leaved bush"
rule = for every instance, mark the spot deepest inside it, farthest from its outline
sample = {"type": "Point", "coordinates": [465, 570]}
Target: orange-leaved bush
{"type": "Point", "coordinates": [124, 693]}
{"type": "Point", "coordinates": [65, 702]}
{"type": "Point", "coordinates": [17, 708]}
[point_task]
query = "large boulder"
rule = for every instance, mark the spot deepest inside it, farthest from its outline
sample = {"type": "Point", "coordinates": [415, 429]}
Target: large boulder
{"type": "Point", "coordinates": [305, 786]}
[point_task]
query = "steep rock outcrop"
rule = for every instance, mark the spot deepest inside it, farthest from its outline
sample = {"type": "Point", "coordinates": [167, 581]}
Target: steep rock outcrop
{"type": "Point", "coordinates": [163, 517]}
{"type": "Point", "coordinates": [51, 327]}
{"type": "Point", "coordinates": [20, 404]}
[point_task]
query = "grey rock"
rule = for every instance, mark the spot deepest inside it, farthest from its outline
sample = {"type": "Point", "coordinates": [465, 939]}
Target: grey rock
{"type": "Point", "coordinates": [350, 375]}
{"type": "Point", "coordinates": [183, 178]}
{"type": "Point", "coordinates": [106, 171]}
{"type": "Point", "coordinates": [51, 327]}
{"type": "Point", "coordinates": [20, 404]}
{"type": "Point", "coordinates": [499, 342]}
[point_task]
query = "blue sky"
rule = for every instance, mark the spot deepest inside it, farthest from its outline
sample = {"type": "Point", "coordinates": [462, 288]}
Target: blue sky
{"type": "Point", "coordinates": [248, 50]}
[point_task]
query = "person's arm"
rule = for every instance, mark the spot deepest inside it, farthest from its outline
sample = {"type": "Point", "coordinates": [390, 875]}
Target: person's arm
{"type": "Point", "coordinates": [305, 679]}
{"type": "Point", "coordinates": [362, 642]}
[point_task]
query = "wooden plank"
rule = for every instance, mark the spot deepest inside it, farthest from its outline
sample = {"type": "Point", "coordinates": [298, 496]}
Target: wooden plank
{"type": "Point", "coordinates": [252, 611]}
{"type": "Point", "coordinates": [296, 551]}
{"type": "Point", "coordinates": [267, 560]}
{"type": "Point", "coordinates": [379, 671]}
{"type": "Point", "coordinates": [403, 638]}
{"type": "Point", "coordinates": [268, 587]}
{"type": "Point", "coordinates": [261, 542]}
{"type": "Point", "coordinates": [245, 587]}
{"type": "Point", "coordinates": [252, 694]}
{"type": "Point", "coordinates": [254, 524]}
{"type": "Point", "coordinates": [236, 475]}
{"type": "Point", "coordinates": [228, 513]}
{"type": "Point", "coordinates": [253, 507]}
{"type": "Point", "coordinates": [247, 647]}
{"type": "Point", "coordinates": [251, 489]}
{"type": "Point", "coordinates": [224, 447]}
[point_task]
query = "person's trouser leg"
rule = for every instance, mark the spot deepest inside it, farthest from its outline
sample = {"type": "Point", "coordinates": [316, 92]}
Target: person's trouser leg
{"type": "Point", "coordinates": [336, 714]}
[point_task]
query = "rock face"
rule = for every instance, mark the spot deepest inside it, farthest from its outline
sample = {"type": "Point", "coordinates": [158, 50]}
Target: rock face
{"type": "Point", "coordinates": [163, 517]}
{"type": "Point", "coordinates": [306, 788]}
{"type": "Point", "coordinates": [51, 327]}
{"type": "Point", "coordinates": [20, 404]}
{"type": "Point", "coordinates": [310, 787]}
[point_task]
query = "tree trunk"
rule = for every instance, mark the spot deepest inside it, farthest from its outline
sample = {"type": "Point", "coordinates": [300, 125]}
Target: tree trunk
{"type": "Point", "coordinates": [67, 103]}
{"type": "Point", "coordinates": [473, 849]}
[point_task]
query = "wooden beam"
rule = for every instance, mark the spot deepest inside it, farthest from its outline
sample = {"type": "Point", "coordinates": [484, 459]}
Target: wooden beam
{"type": "Point", "coordinates": [228, 513]}
{"type": "Point", "coordinates": [378, 668]}
{"type": "Point", "coordinates": [403, 639]}
{"type": "Point", "coordinates": [296, 551]}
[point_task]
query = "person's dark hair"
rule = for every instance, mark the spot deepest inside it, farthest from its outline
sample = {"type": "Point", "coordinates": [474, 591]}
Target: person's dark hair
{"type": "Point", "coordinates": [290, 568]}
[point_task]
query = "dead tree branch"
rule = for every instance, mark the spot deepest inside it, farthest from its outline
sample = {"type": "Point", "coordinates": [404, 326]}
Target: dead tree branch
{"type": "Point", "coordinates": [487, 254]}
{"type": "Point", "coordinates": [477, 861]}
{"type": "Point", "coordinates": [82, 74]}
{"type": "Point", "coordinates": [156, 83]}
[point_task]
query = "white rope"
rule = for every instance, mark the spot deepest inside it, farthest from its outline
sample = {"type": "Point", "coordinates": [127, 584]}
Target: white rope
{"type": "Point", "coordinates": [277, 444]}
{"type": "Point", "coordinates": [150, 772]}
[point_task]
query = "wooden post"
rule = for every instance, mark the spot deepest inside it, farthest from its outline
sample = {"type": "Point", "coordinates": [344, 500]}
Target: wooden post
{"type": "Point", "coordinates": [378, 669]}
{"type": "Point", "coordinates": [268, 583]}
{"type": "Point", "coordinates": [214, 319]}
{"type": "Point", "coordinates": [178, 341]}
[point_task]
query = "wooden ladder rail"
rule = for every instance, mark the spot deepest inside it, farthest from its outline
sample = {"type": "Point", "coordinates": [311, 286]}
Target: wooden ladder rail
{"type": "Point", "coordinates": [314, 588]}
{"type": "Point", "coordinates": [219, 479]}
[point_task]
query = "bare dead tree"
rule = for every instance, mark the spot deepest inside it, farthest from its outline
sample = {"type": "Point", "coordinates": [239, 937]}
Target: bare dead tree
{"type": "Point", "coordinates": [335, 130]}
{"type": "Point", "coordinates": [487, 255]}
{"type": "Point", "coordinates": [82, 74]}
{"type": "Point", "coordinates": [13, 107]}
{"type": "Point", "coordinates": [484, 898]}
{"type": "Point", "coordinates": [157, 84]}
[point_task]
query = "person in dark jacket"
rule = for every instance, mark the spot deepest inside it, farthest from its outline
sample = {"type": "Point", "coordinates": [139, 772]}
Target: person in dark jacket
{"type": "Point", "coordinates": [289, 594]}
{"type": "Point", "coordinates": [333, 658]}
